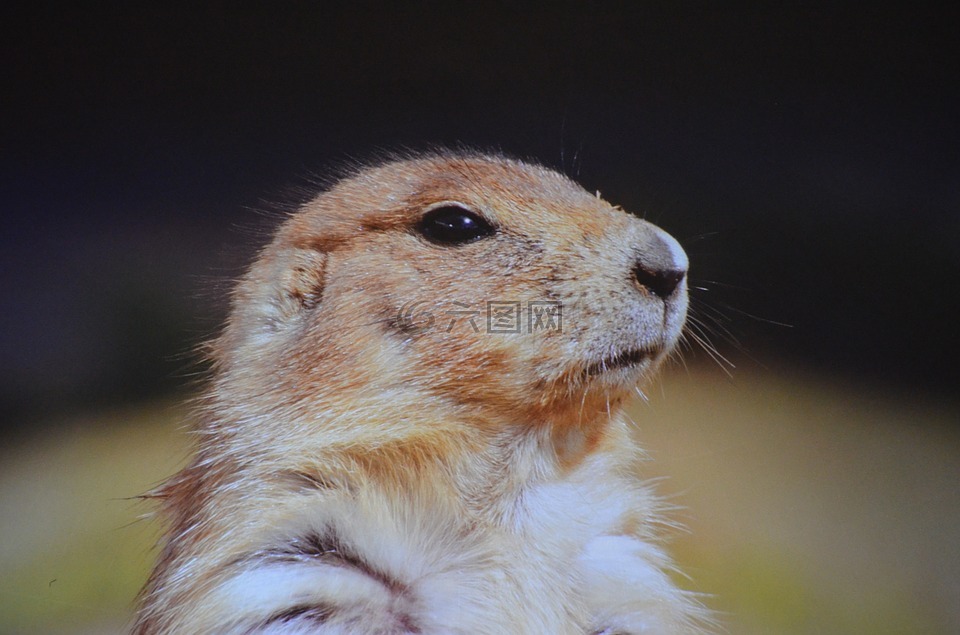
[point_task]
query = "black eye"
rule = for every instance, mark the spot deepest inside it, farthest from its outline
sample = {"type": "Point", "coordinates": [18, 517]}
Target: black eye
{"type": "Point", "coordinates": [453, 225]}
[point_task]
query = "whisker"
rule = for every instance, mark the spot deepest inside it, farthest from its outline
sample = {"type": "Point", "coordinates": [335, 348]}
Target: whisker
{"type": "Point", "coordinates": [710, 349]}
{"type": "Point", "coordinates": [583, 401]}
{"type": "Point", "coordinates": [757, 317]}
{"type": "Point", "coordinates": [715, 328]}
{"type": "Point", "coordinates": [725, 285]}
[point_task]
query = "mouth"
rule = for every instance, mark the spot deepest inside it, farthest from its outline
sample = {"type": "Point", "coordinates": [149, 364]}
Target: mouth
{"type": "Point", "coordinates": [623, 359]}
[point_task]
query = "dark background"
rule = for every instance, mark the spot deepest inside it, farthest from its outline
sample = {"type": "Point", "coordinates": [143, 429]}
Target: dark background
{"type": "Point", "coordinates": [808, 158]}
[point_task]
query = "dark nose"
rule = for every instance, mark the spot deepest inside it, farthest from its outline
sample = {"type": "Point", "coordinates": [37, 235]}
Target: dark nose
{"type": "Point", "coordinates": [661, 282]}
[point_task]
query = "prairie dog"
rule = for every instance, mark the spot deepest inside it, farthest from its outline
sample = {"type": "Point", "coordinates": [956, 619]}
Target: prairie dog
{"type": "Point", "coordinates": [414, 421]}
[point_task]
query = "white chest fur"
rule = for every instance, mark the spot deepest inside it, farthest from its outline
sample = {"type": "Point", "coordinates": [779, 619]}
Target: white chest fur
{"type": "Point", "coordinates": [567, 560]}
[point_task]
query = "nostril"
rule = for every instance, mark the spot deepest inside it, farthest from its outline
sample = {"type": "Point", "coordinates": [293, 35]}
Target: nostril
{"type": "Point", "coordinates": [662, 283]}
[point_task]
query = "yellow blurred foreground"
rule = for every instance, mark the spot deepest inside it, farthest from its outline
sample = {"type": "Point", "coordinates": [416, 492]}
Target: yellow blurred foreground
{"type": "Point", "coordinates": [811, 507]}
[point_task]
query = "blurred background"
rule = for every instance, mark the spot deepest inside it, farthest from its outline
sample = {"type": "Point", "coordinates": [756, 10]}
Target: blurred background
{"type": "Point", "coordinates": [807, 157]}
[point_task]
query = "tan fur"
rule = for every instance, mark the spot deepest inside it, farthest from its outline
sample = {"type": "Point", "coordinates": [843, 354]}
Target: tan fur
{"type": "Point", "coordinates": [358, 473]}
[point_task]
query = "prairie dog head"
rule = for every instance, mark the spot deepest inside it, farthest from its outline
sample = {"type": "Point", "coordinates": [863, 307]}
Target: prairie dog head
{"type": "Point", "coordinates": [498, 290]}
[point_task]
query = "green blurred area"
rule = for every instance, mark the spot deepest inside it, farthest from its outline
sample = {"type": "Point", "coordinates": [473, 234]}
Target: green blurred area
{"type": "Point", "coordinates": [76, 546]}
{"type": "Point", "coordinates": [810, 506]}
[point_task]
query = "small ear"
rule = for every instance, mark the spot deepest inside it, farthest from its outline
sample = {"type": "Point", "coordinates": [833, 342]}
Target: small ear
{"type": "Point", "coordinates": [282, 284]}
{"type": "Point", "coordinates": [301, 281]}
